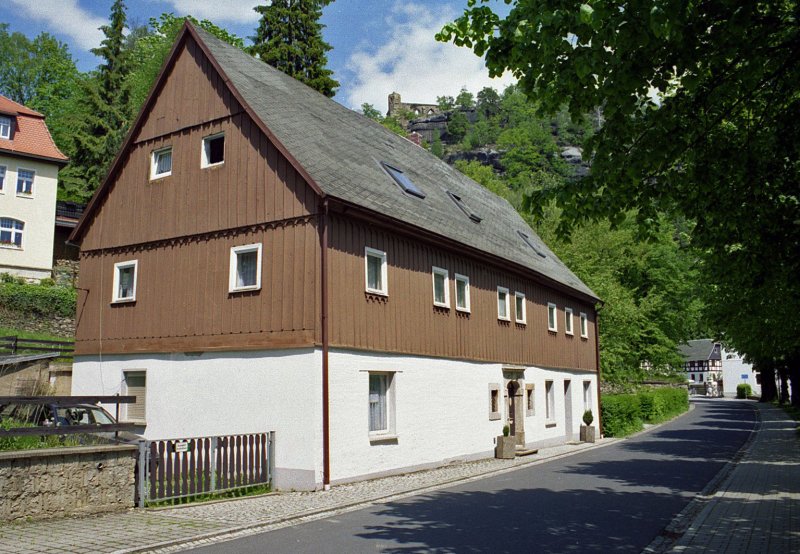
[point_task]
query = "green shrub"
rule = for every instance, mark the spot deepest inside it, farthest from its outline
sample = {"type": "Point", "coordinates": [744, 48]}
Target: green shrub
{"type": "Point", "coordinates": [36, 299]}
{"type": "Point", "coordinates": [620, 414]}
{"type": "Point", "coordinates": [662, 404]}
{"type": "Point", "coordinates": [743, 390]}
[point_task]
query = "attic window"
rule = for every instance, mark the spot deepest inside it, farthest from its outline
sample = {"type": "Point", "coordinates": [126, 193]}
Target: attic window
{"type": "Point", "coordinates": [5, 127]}
{"type": "Point", "coordinates": [402, 179]}
{"type": "Point", "coordinates": [529, 242]}
{"type": "Point", "coordinates": [464, 208]}
{"type": "Point", "coordinates": [213, 150]}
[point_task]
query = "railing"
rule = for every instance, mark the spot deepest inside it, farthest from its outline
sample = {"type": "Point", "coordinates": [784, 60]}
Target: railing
{"type": "Point", "coordinates": [184, 468]}
{"type": "Point", "coordinates": [14, 345]}
{"type": "Point", "coordinates": [56, 401]}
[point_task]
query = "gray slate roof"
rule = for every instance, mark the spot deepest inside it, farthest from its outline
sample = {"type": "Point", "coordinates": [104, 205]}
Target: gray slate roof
{"type": "Point", "coordinates": [341, 150]}
{"type": "Point", "coordinates": [701, 349]}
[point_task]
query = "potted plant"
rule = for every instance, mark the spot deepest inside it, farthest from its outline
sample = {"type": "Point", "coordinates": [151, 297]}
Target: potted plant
{"type": "Point", "coordinates": [587, 431]}
{"type": "Point", "coordinates": [506, 447]}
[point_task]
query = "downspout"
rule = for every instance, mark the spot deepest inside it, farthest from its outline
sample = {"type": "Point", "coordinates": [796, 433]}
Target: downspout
{"type": "Point", "coordinates": [326, 438]}
{"type": "Point", "coordinates": [597, 360]}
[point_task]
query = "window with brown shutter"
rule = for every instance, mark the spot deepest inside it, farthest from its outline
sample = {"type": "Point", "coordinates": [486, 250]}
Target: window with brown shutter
{"type": "Point", "coordinates": [136, 385]}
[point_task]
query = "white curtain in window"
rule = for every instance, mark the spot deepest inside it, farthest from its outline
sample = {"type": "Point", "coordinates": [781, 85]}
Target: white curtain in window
{"type": "Point", "coordinates": [125, 282]}
{"type": "Point", "coordinates": [374, 273]}
{"type": "Point", "coordinates": [246, 269]}
{"type": "Point", "coordinates": [164, 162]}
{"type": "Point", "coordinates": [377, 403]}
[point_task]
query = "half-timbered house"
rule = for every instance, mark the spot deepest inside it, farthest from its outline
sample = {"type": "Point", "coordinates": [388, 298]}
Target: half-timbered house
{"type": "Point", "coordinates": [262, 258]}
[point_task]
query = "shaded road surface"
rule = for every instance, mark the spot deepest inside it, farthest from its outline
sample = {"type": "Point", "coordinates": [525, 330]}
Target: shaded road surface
{"type": "Point", "coordinates": [617, 498]}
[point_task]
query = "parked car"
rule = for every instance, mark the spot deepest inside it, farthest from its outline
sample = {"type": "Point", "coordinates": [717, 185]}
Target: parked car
{"type": "Point", "coordinates": [49, 414]}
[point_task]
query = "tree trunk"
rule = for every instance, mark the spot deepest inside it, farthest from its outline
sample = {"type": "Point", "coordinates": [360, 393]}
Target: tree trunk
{"type": "Point", "coordinates": [794, 376]}
{"type": "Point", "coordinates": [769, 392]}
{"type": "Point", "coordinates": [783, 374]}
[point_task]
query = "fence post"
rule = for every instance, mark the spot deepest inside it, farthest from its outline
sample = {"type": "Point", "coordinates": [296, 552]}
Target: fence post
{"type": "Point", "coordinates": [270, 457]}
{"type": "Point", "coordinates": [14, 346]}
{"type": "Point", "coordinates": [141, 484]}
{"type": "Point", "coordinates": [213, 455]}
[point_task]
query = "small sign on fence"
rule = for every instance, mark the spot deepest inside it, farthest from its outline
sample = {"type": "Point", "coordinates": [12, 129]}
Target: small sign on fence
{"type": "Point", "coordinates": [182, 446]}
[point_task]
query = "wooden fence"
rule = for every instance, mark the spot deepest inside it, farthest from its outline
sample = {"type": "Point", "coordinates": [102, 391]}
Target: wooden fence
{"type": "Point", "coordinates": [17, 345]}
{"type": "Point", "coordinates": [183, 468]}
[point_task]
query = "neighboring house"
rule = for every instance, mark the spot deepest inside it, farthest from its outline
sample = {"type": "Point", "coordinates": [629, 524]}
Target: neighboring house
{"type": "Point", "coordinates": [736, 371]}
{"type": "Point", "coordinates": [29, 164]}
{"type": "Point", "coordinates": [67, 216]}
{"type": "Point", "coordinates": [262, 258]}
{"type": "Point", "coordinates": [702, 361]}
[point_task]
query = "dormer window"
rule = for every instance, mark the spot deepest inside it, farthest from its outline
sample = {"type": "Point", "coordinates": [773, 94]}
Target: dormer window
{"type": "Point", "coordinates": [463, 207]}
{"type": "Point", "coordinates": [161, 165]}
{"type": "Point", "coordinates": [529, 242]}
{"type": "Point", "coordinates": [5, 127]}
{"type": "Point", "coordinates": [403, 181]}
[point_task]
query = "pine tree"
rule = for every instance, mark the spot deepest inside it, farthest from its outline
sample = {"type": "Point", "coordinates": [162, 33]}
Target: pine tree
{"type": "Point", "coordinates": [289, 38]}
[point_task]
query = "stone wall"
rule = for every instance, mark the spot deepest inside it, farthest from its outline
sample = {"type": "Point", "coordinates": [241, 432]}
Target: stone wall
{"type": "Point", "coordinates": [52, 325]}
{"type": "Point", "coordinates": [59, 482]}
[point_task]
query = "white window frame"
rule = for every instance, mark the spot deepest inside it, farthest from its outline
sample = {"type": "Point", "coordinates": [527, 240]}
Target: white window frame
{"type": "Point", "coordinates": [116, 298]}
{"type": "Point", "coordinates": [154, 163]}
{"type": "Point", "coordinates": [3, 175]}
{"type": "Point", "coordinates": [584, 326]}
{"type": "Point", "coordinates": [375, 253]}
{"type": "Point", "coordinates": [524, 317]}
{"type": "Point", "coordinates": [552, 317]}
{"type": "Point", "coordinates": [569, 324]}
{"type": "Point", "coordinates": [33, 182]}
{"type": "Point", "coordinates": [390, 432]}
{"type": "Point", "coordinates": [446, 274]}
{"type": "Point", "coordinates": [463, 279]}
{"type": "Point", "coordinates": [506, 317]}
{"type": "Point", "coordinates": [14, 231]}
{"type": "Point", "coordinates": [8, 123]}
{"type": "Point", "coordinates": [204, 150]}
{"type": "Point", "coordinates": [234, 267]}
{"type": "Point", "coordinates": [136, 372]}
{"type": "Point", "coordinates": [550, 401]}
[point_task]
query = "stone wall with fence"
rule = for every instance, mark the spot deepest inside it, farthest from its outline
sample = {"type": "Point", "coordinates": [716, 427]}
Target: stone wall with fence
{"type": "Point", "coordinates": [59, 482]}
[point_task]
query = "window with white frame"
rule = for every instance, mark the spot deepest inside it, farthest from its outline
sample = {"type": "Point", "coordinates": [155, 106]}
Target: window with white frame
{"type": "Point", "coordinates": [503, 309]}
{"type": "Point", "coordinates": [462, 293]}
{"type": "Point", "coordinates": [568, 321]}
{"type": "Point", "coordinates": [552, 321]}
{"type": "Point", "coordinates": [11, 232]}
{"type": "Point", "coordinates": [381, 403]}
{"type": "Point", "coordinates": [530, 397]}
{"type": "Point", "coordinates": [213, 150]}
{"type": "Point", "coordinates": [519, 308]}
{"type": "Point", "coordinates": [25, 181]}
{"type": "Point", "coordinates": [125, 281]}
{"type": "Point", "coordinates": [441, 286]}
{"type": "Point", "coordinates": [375, 271]}
{"type": "Point", "coordinates": [161, 163]}
{"type": "Point", "coordinates": [494, 401]}
{"type": "Point", "coordinates": [587, 395]}
{"type": "Point", "coordinates": [584, 326]}
{"type": "Point", "coordinates": [245, 268]}
{"type": "Point", "coordinates": [135, 385]}
{"type": "Point", "coordinates": [5, 127]}
{"type": "Point", "coordinates": [3, 170]}
{"type": "Point", "coordinates": [550, 401]}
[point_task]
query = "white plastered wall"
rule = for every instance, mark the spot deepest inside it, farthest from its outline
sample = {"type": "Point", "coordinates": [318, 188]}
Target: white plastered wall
{"type": "Point", "coordinates": [226, 393]}
{"type": "Point", "coordinates": [35, 259]}
{"type": "Point", "coordinates": [733, 369]}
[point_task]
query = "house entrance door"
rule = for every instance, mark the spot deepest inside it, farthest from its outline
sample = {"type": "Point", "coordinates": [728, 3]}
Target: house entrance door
{"type": "Point", "coordinates": [513, 387]}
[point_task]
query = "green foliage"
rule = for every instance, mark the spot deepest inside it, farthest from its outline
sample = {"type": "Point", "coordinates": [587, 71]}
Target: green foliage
{"type": "Point", "coordinates": [588, 417]}
{"type": "Point", "coordinates": [483, 132]}
{"type": "Point", "coordinates": [436, 146]}
{"type": "Point", "coordinates": [465, 99]}
{"type": "Point", "coordinates": [371, 112]}
{"type": "Point", "coordinates": [488, 104]}
{"type": "Point", "coordinates": [446, 103]}
{"type": "Point", "coordinates": [34, 442]}
{"type": "Point", "coordinates": [289, 38]}
{"type": "Point", "coordinates": [37, 299]}
{"type": "Point", "coordinates": [394, 126]}
{"type": "Point", "coordinates": [743, 390]}
{"type": "Point", "coordinates": [506, 430]}
{"type": "Point", "coordinates": [458, 126]}
{"type": "Point", "coordinates": [620, 414]}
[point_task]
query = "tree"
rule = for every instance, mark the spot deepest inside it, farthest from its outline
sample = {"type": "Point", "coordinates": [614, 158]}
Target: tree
{"type": "Point", "coordinates": [488, 102]}
{"type": "Point", "coordinates": [436, 146]}
{"type": "Point", "coordinates": [446, 103]}
{"type": "Point", "coordinates": [289, 38]}
{"type": "Point", "coordinates": [458, 126]}
{"type": "Point", "coordinates": [465, 99]}
{"type": "Point", "coordinates": [371, 112]}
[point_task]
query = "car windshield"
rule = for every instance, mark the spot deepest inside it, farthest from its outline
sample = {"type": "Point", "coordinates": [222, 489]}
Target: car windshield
{"type": "Point", "coordinates": [84, 415]}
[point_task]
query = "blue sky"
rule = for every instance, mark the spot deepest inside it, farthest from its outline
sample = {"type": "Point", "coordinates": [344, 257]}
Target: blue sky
{"type": "Point", "coordinates": [379, 46]}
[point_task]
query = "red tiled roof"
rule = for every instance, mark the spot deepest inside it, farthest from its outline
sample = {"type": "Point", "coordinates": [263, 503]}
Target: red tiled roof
{"type": "Point", "coordinates": [29, 135]}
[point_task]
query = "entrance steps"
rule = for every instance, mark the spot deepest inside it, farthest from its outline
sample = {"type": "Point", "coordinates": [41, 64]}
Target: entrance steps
{"type": "Point", "coordinates": [522, 451]}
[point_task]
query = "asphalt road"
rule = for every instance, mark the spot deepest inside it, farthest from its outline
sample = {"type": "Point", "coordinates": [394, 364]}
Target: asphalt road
{"type": "Point", "coordinates": [616, 498]}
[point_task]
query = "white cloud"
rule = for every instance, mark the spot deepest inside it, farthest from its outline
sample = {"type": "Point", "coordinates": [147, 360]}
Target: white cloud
{"type": "Point", "coordinates": [65, 17]}
{"type": "Point", "coordinates": [412, 63]}
{"type": "Point", "coordinates": [218, 11]}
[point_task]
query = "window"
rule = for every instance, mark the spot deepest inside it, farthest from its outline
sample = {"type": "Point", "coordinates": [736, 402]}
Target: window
{"type": "Point", "coordinates": [462, 293]}
{"type": "Point", "coordinates": [213, 150]}
{"type": "Point", "coordinates": [381, 403]}
{"type": "Point", "coordinates": [699, 377]}
{"type": "Point", "coordinates": [245, 268]}
{"type": "Point", "coordinates": [550, 398]}
{"type": "Point", "coordinates": [568, 321]}
{"type": "Point", "coordinates": [11, 232]}
{"type": "Point", "coordinates": [529, 400]}
{"type": "Point", "coordinates": [692, 376]}
{"type": "Point", "coordinates": [2, 177]}
{"type": "Point", "coordinates": [519, 306]}
{"type": "Point", "coordinates": [135, 385]}
{"type": "Point", "coordinates": [375, 268]}
{"type": "Point", "coordinates": [530, 244]}
{"type": "Point", "coordinates": [494, 401]}
{"type": "Point", "coordinates": [403, 181]}
{"type": "Point", "coordinates": [161, 164]}
{"type": "Point", "coordinates": [125, 281]}
{"type": "Point", "coordinates": [25, 181]}
{"type": "Point", "coordinates": [5, 127]}
{"type": "Point", "coordinates": [502, 304]}
{"type": "Point", "coordinates": [587, 395]}
{"type": "Point", "coordinates": [463, 207]}
{"type": "Point", "coordinates": [441, 287]}
{"type": "Point", "coordinates": [584, 326]}
{"type": "Point", "coordinates": [552, 323]}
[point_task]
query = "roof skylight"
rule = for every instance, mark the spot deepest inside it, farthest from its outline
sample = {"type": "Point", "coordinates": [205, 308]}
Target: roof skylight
{"type": "Point", "coordinates": [464, 208]}
{"type": "Point", "coordinates": [529, 242]}
{"type": "Point", "coordinates": [402, 179]}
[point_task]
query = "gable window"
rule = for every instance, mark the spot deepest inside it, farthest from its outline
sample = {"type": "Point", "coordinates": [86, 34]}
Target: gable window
{"type": "Point", "coordinates": [519, 306]}
{"type": "Point", "coordinates": [441, 287]}
{"type": "Point", "coordinates": [11, 232]}
{"type": "Point", "coordinates": [25, 181]}
{"type": "Point", "coordinates": [213, 150]}
{"type": "Point", "coordinates": [381, 403]}
{"type": "Point", "coordinates": [135, 385]}
{"type": "Point", "coordinates": [550, 401]}
{"type": "Point", "coordinates": [584, 326]}
{"type": "Point", "coordinates": [376, 271]}
{"type": "Point", "coordinates": [2, 177]}
{"type": "Point", "coordinates": [462, 293]}
{"type": "Point", "coordinates": [568, 321]}
{"type": "Point", "coordinates": [161, 165]}
{"type": "Point", "coordinates": [125, 281]}
{"type": "Point", "coordinates": [463, 207]}
{"type": "Point", "coordinates": [403, 181]}
{"type": "Point", "coordinates": [245, 268]}
{"type": "Point", "coordinates": [5, 127]}
{"type": "Point", "coordinates": [502, 304]}
{"type": "Point", "coordinates": [552, 323]}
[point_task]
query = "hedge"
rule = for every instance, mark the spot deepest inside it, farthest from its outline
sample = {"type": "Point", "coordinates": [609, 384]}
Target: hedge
{"type": "Point", "coordinates": [624, 414]}
{"type": "Point", "coordinates": [38, 299]}
{"type": "Point", "coordinates": [744, 390]}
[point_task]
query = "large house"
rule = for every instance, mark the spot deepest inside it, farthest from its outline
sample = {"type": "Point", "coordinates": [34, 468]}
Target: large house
{"type": "Point", "coordinates": [702, 362]}
{"type": "Point", "coordinates": [261, 258]}
{"type": "Point", "coordinates": [29, 164]}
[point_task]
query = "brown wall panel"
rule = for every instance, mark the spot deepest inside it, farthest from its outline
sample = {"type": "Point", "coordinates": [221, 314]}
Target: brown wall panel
{"type": "Point", "coordinates": [407, 321]}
